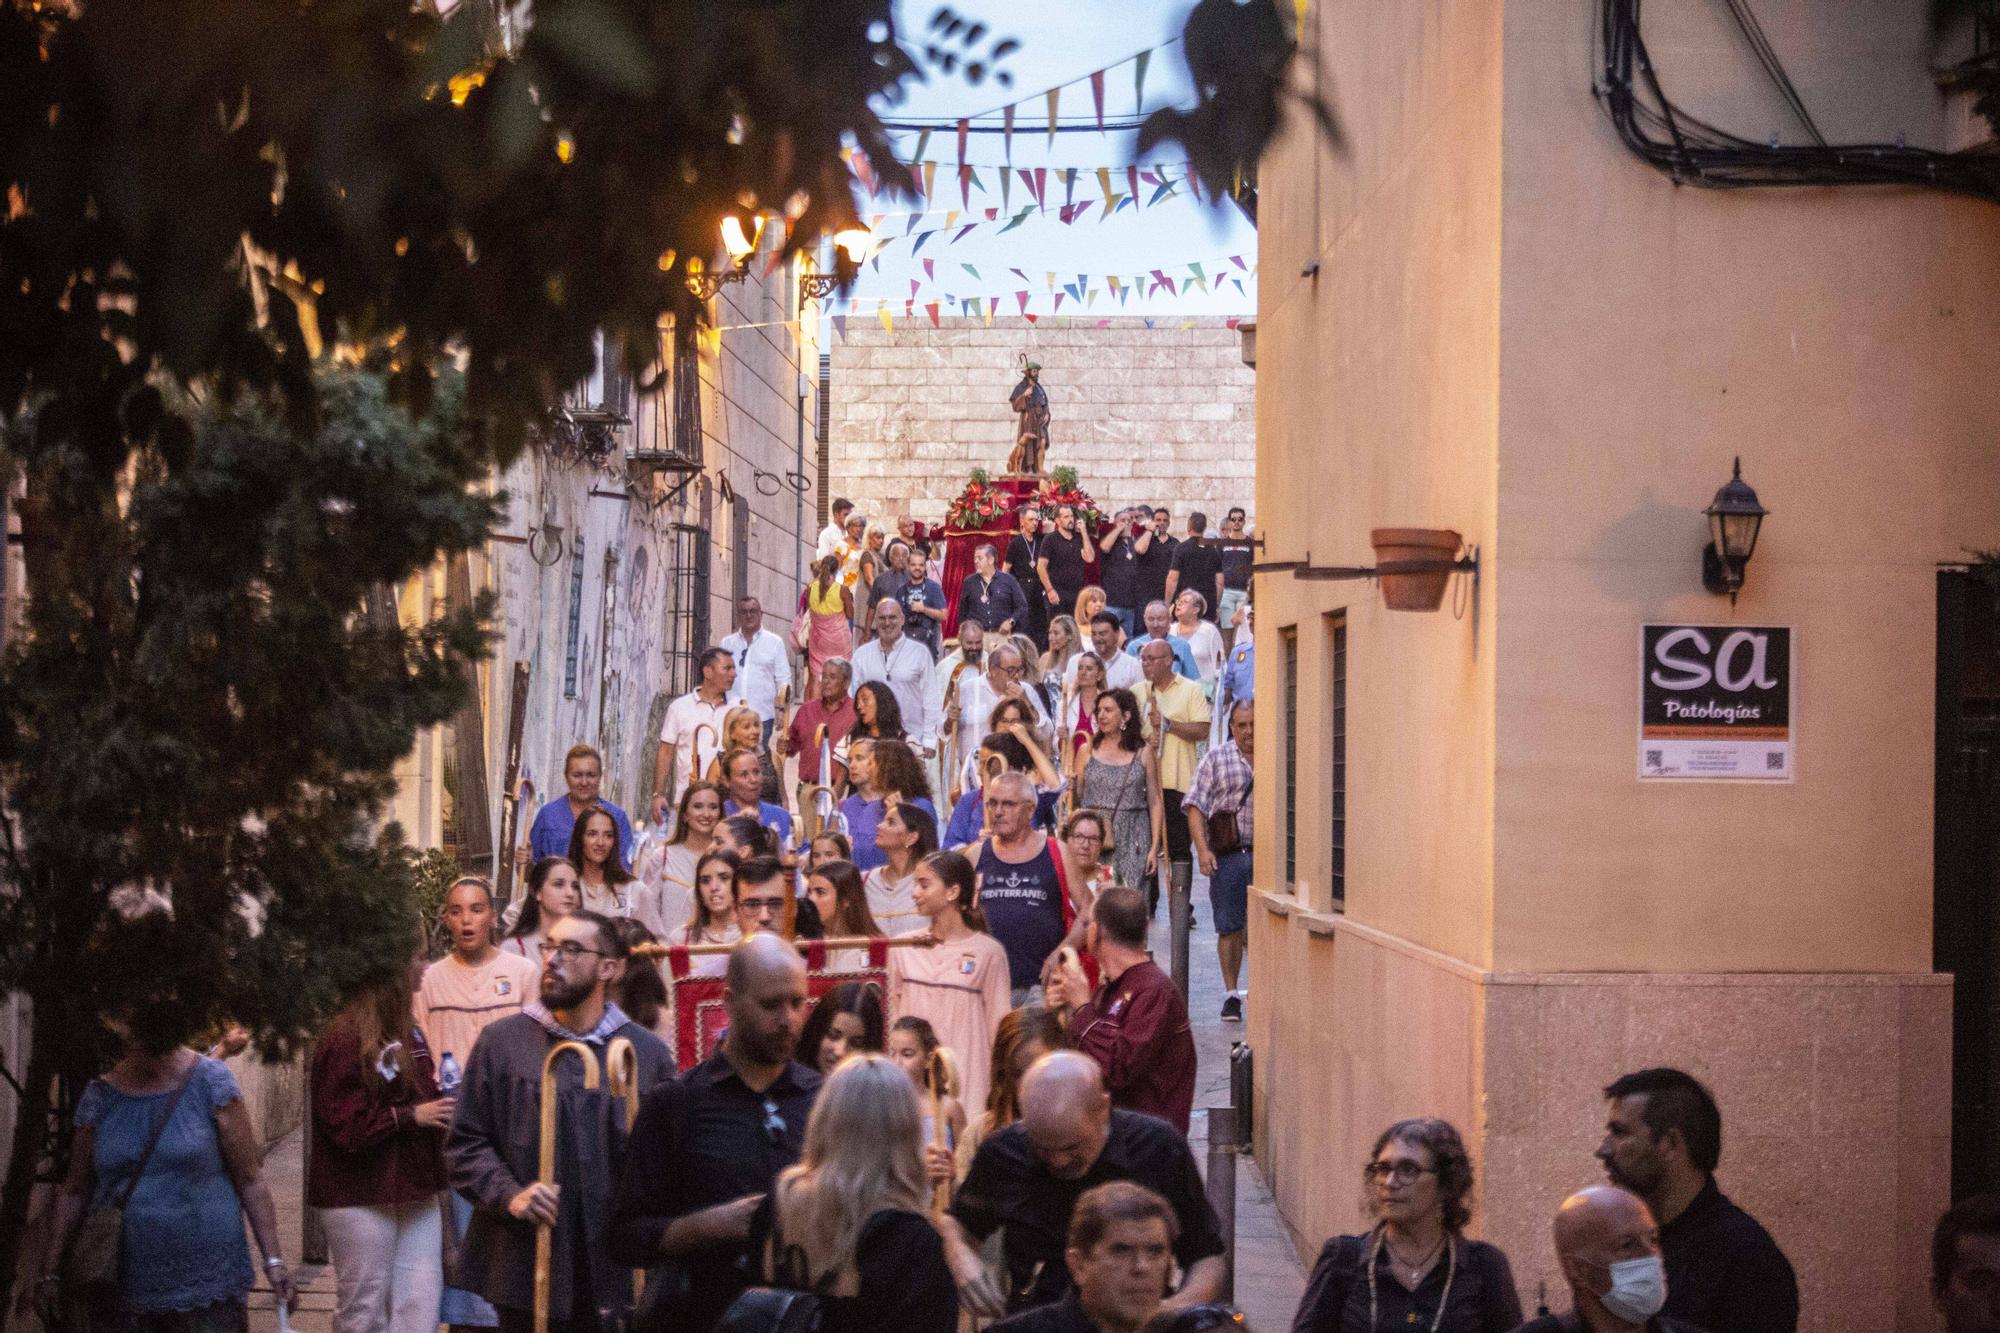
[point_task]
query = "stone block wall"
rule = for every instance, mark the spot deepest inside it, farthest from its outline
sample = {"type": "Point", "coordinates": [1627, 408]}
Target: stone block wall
{"type": "Point", "coordinates": [1162, 415]}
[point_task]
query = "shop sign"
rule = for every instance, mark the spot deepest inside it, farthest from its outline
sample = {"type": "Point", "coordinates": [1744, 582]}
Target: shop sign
{"type": "Point", "coordinates": [1715, 703]}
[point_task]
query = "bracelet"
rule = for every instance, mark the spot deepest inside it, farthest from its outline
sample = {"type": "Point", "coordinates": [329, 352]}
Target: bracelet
{"type": "Point", "coordinates": [275, 1261]}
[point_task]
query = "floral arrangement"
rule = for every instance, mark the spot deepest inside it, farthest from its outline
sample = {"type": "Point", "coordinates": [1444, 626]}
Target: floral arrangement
{"type": "Point", "coordinates": [980, 505]}
{"type": "Point", "coordinates": [1063, 488]}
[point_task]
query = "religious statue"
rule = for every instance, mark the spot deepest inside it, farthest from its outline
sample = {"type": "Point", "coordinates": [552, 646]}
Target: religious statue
{"type": "Point", "coordinates": [1031, 438]}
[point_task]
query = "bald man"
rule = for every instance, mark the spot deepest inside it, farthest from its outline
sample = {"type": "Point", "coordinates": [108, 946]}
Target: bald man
{"type": "Point", "coordinates": [1609, 1249]}
{"type": "Point", "coordinates": [1028, 1177]}
{"type": "Point", "coordinates": [707, 1146]}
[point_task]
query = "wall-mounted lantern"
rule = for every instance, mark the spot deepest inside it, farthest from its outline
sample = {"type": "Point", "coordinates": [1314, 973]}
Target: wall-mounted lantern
{"type": "Point", "coordinates": [1734, 518]}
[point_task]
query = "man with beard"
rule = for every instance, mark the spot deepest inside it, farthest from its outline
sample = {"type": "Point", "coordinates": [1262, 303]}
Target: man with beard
{"type": "Point", "coordinates": [494, 1150]}
{"type": "Point", "coordinates": [1028, 1177]}
{"type": "Point", "coordinates": [710, 1144]}
{"type": "Point", "coordinates": [1662, 1141]}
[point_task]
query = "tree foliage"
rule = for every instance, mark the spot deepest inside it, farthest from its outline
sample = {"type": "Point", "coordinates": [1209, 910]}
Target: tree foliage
{"type": "Point", "coordinates": [213, 213]}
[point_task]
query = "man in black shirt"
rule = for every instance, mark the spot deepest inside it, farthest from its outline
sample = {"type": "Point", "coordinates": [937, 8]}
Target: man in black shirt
{"type": "Point", "coordinates": [1023, 554]}
{"type": "Point", "coordinates": [1154, 563]}
{"type": "Point", "coordinates": [1197, 565]}
{"type": "Point", "coordinates": [1237, 556]}
{"type": "Point", "coordinates": [1029, 1176]}
{"type": "Point", "coordinates": [1609, 1249]}
{"type": "Point", "coordinates": [707, 1146]}
{"type": "Point", "coordinates": [1060, 564]}
{"type": "Point", "coordinates": [1662, 1141]}
{"type": "Point", "coordinates": [1128, 536]}
{"type": "Point", "coordinates": [992, 596]}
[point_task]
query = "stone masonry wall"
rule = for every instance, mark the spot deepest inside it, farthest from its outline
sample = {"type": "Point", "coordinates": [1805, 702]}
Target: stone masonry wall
{"type": "Point", "coordinates": [1161, 415]}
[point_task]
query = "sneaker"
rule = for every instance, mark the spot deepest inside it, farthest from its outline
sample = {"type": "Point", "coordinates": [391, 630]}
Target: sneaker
{"type": "Point", "coordinates": [1232, 1009]}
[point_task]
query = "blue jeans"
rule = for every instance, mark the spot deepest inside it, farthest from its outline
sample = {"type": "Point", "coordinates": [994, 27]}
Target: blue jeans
{"type": "Point", "coordinates": [1128, 616]}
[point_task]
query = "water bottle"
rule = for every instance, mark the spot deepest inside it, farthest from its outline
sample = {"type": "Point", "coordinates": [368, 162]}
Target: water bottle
{"type": "Point", "coordinates": [449, 1076]}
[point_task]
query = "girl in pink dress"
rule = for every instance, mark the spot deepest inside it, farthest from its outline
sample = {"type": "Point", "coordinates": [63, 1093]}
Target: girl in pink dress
{"type": "Point", "coordinates": [960, 986]}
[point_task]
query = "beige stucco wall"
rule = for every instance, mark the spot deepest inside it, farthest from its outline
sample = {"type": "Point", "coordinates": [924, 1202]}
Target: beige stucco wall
{"type": "Point", "coordinates": [1520, 331]}
{"type": "Point", "coordinates": [1160, 415]}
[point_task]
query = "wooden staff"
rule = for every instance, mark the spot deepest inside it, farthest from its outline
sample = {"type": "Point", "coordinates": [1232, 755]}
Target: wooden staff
{"type": "Point", "coordinates": [991, 767]}
{"type": "Point", "coordinates": [779, 726]}
{"type": "Point", "coordinates": [694, 744]}
{"type": "Point", "coordinates": [838, 942]}
{"type": "Point", "coordinates": [934, 1081]}
{"type": "Point", "coordinates": [545, 1234]}
{"type": "Point", "coordinates": [621, 1079]}
{"type": "Point", "coordinates": [953, 756]}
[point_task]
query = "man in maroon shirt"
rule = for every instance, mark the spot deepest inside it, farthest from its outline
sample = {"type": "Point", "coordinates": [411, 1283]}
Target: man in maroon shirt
{"type": "Point", "coordinates": [1136, 1025]}
{"type": "Point", "coordinates": [834, 710]}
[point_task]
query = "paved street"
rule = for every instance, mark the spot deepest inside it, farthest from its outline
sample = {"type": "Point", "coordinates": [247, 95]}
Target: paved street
{"type": "Point", "coordinates": [1269, 1276]}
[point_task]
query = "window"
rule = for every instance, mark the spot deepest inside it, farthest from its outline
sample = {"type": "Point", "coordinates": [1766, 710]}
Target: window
{"type": "Point", "coordinates": [739, 548]}
{"type": "Point", "coordinates": [825, 432]}
{"type": "Point", "coordinates": [1336, 644]}
{"type": "Point", "coordinates": [1289, 644]}
{"type": "Point", "coordinates": [687, 605]}
{"type": "Point", "coordinates": [667, 432]}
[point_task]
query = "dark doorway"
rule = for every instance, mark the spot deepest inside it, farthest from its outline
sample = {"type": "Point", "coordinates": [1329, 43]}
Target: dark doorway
{"type": "Point", "coordinates": [1966, 925]}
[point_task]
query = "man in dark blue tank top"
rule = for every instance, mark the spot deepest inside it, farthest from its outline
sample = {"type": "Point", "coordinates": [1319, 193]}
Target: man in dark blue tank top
{"type": "Point", "coordinates": [1020, 888]}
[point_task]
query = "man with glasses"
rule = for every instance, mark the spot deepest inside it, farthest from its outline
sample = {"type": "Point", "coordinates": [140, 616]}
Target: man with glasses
{"type": "Point", "coordinates": [763, 667]}
{"type": "Point", "coordinates": [1021, 888]}
{"type": "Point", "coordinates": [708, 1145]}
{"type": "Point", "coordinates": [761, 896]}
{"type": "Point", "coordinates": [494, 1150]}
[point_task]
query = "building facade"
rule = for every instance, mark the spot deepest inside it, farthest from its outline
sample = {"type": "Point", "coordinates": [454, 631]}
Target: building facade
{"type": "Point", "coordinates": [1158, 411]}
{"type": "Point", "coordinates": [617, 562]}
{"type": "Point", "coordinates": [1486, 315]}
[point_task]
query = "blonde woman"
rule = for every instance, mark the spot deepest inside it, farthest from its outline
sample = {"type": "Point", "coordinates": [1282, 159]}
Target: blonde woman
{"type": "Point", "coordinates": [850, 1219]}
{"type": "Point", "coordinates": [742, 729]}
{"type": "Point", "coordinates": [1065, 642]}
{"type": "Point", "coordinates": [665, 906]}
{"type": "Point", "coordinates": [1031, 673]}
{"type": "Point", "coordinates": [1088, 603]}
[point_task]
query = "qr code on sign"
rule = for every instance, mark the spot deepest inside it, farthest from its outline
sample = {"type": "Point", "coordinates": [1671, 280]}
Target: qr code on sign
{"type": "Point", "coordinates": [1774, 761]}
{"type": "Point", "coordinates": [1655, 758]}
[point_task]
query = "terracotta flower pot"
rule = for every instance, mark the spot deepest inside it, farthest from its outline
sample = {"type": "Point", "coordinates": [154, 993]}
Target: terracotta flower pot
{"type": "Point", "coordinates": [1414, 565]}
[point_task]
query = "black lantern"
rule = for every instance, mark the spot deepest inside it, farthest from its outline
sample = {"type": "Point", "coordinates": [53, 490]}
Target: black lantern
{"type": "Point", "coordinates": [1734, 517]}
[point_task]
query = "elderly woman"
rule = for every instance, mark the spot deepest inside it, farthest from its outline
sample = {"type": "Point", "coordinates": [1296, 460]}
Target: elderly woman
{"type": "Point", "coordinates": [1415, 1269]}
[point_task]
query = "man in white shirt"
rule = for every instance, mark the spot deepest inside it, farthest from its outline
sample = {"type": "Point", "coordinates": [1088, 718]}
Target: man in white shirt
{"type": "Point", "coordinates": [971, 655]}
{"type": "Point", "coordinates": [1121, 671]}
{"type": "Point", "coordinates": [905, 666]}
{"type": "Point", "coordinates": [763, 667]}
{"type": "Point", "coordinates": [835, 532]}
{"type": "Point", "coordinates": [979, 695]}
{"type": "Point", "coordinates": [693, 729]}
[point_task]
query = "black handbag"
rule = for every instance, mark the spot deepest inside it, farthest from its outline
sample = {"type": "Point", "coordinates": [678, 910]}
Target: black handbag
{"type": "Point", "coordinates": [790, 1304]}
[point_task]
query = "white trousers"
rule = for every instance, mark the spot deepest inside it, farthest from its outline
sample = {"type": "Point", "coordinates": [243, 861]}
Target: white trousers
{"type": "Point", "coordinates": [388, 1267]}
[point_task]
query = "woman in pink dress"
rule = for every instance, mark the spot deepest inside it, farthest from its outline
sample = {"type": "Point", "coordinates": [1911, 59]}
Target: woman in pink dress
{"type": "Point", "coordinates": [960, 986]}
{"type": "Point", "coordinates": [830, 616]}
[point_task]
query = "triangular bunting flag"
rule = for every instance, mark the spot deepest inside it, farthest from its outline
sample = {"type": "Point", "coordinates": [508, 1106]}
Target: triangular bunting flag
{"type": "Point", "coordinates": [1090, 297]}
{"type": "Point", "coordinates": [965, 186]}
{"type": "Point", "coordinates": [950, 219]}
{"type": "Point", "coordinates": [1022, 297]}
{"type": "Point", "coordinates": [930, 176]}
{"type": "Point", "coordinates": [923, 143]}
{"type": "Point", "coordinates": [1115, 286]}
{"type": "Point", "coordinates": [962, 232]}
{"type": "Point", "coordinates": [1042, 186]}
{"type": "Point", "coordinates": [1032, 319]}
{"type": "Point", "coordinates": [932, 311]}
{"type": "Point", "coordinates": [921, 238]}
{"type": "Point", "coordinates": [930, 269]}
{"type": "Point", "coordinates": [1238, 261]}
{"type": "Point", "coordinates": [1069, 184]}
{"type": "Point", "coordinates": [1017, 273]}
{"type": "Point", "coordinates": [970, 269]}
{"type": "Point", "coordinates": [1139, 63]}
{"type": "Point", "coordinates": [1006, 188]}
{"type": "Point", "coordinates": [840, 327]}
{"type": "Point", "coordinates": [1104, 179]}
{"type": "Point", "coordinates": [888, 322]}
{"type": "Point", "coordinates": [964, 128]}
{"type": "Point", "coordinates": [1097, 96]}
{"type": "Point", "coordinates": [1059, 300]}
{"type": "Point", "coordinates": [1231, 323]}
{"type": "Point", "coordinates": [1055, 99]}
{"type": "Point", "coordinates": [1052, 282]}
{"type": "Point", "coordinates": [1132, 181]}
{"type": "Point", "coordinates": [916, 286]}
{"type": "Point", "coordinates": [1015, 221]}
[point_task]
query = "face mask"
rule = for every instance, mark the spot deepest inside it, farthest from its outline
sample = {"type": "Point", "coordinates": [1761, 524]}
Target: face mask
{"type": "Point", "coordinates": [1638, 1289]}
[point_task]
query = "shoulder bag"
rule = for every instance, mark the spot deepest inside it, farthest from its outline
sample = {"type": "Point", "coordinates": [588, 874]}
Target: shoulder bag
{"type": "Point", "coordinates": [791, 1304]}
{"type": "Point", "coordinates": [90, 1263]}
{"type": "Point", "coordinates": [1224, 834]}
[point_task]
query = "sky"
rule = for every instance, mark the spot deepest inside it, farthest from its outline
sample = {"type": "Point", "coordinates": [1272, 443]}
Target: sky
{"type": "Point", "coordinates": [1060, 41]}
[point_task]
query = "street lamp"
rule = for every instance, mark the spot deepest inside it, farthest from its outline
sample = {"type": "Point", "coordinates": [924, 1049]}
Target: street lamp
{"type": "Point", "coordinates": [740, 243]}
{"type": "Point", "coordinates": [1734, 517]}
{"type": "Point", "coordinates": [850, 247]}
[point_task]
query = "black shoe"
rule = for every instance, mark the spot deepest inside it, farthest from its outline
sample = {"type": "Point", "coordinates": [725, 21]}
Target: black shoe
{"type": "Point", "coordinates": [1232, 1009]}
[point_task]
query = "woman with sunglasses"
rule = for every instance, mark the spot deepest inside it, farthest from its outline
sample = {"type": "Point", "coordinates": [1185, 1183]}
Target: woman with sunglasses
{"type": "Point", "coordinates": [1416, 1269]}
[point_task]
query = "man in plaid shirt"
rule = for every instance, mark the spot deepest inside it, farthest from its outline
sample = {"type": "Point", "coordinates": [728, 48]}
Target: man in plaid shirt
{"type": "Point", "coordinates": [1222, 784]}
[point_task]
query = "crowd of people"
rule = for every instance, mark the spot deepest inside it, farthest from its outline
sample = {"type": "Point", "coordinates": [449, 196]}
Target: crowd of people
{"type": "Point", "coordinates": [991, 1133]}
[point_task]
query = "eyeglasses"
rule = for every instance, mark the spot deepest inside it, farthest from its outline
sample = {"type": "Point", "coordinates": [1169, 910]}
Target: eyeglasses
{"type": "Point", "coordinates": [569, 951]}
{"type": "Point", "coordinates": [1400, 1173]}
{"type": "Point", "coordinates": [762, 904]}
{"type": "Point", "coordinates": [774, 1123]}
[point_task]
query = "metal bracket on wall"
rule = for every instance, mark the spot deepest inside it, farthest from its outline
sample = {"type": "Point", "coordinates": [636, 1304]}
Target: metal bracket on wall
{"type": "Point", "coordinates": [1306, 569]}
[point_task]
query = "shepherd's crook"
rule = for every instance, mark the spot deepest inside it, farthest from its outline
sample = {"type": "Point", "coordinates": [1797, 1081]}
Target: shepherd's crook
{"type": "Point", "coordinates": [545, 1233]}
{"type": "Point", "coordinates": [621, 1080]}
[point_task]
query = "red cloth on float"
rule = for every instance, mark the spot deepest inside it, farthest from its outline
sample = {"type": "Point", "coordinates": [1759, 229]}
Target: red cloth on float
{"type": "Point", "coordinates": [699, 1016]}
{"type": "Point", "coordinates": [960, 543]}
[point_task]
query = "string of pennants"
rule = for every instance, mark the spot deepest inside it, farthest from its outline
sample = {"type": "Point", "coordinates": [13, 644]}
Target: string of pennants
{"type": "Point", "coordinates": [1120, 188]}
{"type": "Point", "coordinates": [1061, 321]}
{"type": "Point", "coordinates": [1205, 276]}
